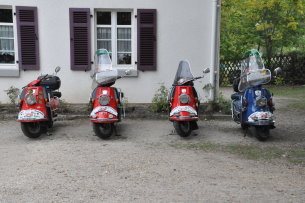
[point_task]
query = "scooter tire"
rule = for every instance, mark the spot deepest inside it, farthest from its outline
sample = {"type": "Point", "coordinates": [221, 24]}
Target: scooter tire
{"type": "Point", "coordinates": [103, 130]}
{"type": "Point", "coordinates": [32, 129]}
{"type": "Point", "coordinates": [183, 128]}
{"type": "Point", "coordinates": [262, 133]}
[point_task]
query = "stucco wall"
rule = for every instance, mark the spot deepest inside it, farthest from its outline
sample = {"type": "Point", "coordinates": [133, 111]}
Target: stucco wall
{"type": "Point", "coordinates": [184, 31]}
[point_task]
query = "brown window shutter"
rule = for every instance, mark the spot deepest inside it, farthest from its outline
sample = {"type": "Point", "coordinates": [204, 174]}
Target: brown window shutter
{"type": "Point", "coordinates": [27, 31]}
{"type": "Point", "coordinates": [80, 36]}
{"type": "Point", "coordinates": [147, 46]}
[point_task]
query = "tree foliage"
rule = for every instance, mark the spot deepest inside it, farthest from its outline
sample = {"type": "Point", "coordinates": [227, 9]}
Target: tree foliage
{"type": "Point", "coordinates": [271, 26]}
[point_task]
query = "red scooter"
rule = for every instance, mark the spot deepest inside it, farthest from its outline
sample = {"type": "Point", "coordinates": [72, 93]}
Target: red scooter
{"type": "Point", "coordinates": [38, 103]}
{"type": "Point", "coordinates": [106, 102]}
{"type": "Point", "coordinates": [183, 100]}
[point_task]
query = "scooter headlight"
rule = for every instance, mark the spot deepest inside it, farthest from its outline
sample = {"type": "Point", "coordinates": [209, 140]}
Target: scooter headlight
{"type": "Point", "coordinates": [184, 98]}
{"type": "Point", "coordinates": [104, 100]}
{"type": "Point", "coordinates": [30, 99]}
{"type": "Point", "coordinates": [261, 102]}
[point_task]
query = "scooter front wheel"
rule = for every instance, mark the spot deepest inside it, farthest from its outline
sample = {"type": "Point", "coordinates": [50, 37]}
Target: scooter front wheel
{"type": "Point", "coordinates": [103, 130]}
{"type": "Point", "coordinates": [183, 128]}
{"type": "Point", "coordinates": [32, 129]}
{"type": "Point", "coordinates": [262, 133]}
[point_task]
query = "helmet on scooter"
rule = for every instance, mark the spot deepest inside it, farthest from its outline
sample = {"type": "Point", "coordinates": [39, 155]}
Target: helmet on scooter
{"type": "Point", "coordinates": [252, 52]}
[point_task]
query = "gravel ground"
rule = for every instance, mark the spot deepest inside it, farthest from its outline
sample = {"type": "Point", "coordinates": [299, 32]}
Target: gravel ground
{"type": "Point", "coordinates": [146, 164]}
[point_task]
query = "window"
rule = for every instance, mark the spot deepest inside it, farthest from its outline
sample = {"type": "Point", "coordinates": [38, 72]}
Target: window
{"type": "Point", "coordinates": [7, 52]}
{"type": "Point", "coordinates": [114, 33]}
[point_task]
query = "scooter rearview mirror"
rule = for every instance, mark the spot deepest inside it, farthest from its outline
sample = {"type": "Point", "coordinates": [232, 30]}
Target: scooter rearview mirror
{"type": "Point", "coordinates": [57, 69]}
{"type": "Point", "coordinates": [207, 70]}
{"type": "Point", "coordinates": [277, 71]}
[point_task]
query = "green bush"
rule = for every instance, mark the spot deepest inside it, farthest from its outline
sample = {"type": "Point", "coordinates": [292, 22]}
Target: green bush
{"type": "Point", "coordinates": [224, 104]}
{"type": "Point", "coordinates": [159, 101]}
{"type": "Point", "coordinates": [279, 81]}
{"type": "Point", "coordinates": [64, 106]}
{"type": "Point", "coordinates": [12, 93]}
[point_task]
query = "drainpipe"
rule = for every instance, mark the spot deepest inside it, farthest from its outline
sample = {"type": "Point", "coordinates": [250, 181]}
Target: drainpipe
{"type": "Point", "coordinates": [214, 76]}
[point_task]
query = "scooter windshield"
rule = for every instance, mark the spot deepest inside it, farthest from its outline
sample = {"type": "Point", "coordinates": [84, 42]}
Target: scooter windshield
{"type": "Point", "coordinates": [103, 72]}
{"type": "Point", "coordinates": [183, 74]}
{"type": "Point", "coordinates": [253, 73]}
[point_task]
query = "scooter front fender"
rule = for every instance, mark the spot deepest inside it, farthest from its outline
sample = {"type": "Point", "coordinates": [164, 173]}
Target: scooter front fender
{"type": "Point", "coordinates": [104, 114]}
{"type": "Point", "coordinates": [179, 109]}
{"type": "Point", "coordinates": [261, 118]}
{"type": "Point", "coordinates": [31, 115]}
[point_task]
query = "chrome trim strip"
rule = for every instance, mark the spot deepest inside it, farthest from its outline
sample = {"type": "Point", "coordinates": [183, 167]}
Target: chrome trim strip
{"type": "Point", "coordinates": [104, 119]}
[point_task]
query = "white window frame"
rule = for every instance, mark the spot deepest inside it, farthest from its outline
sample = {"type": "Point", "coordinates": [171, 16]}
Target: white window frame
{"type": "Point", "coordinates": [11, 69]}
{"type": "Point", "coordinates": [114, 39]}
{"type": "Point", "coordinates": [15, 35]}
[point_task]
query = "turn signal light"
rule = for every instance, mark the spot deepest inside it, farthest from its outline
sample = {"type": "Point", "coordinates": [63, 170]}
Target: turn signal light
{"type": "Point", "coordinates": [246, 103]}
{"type": "Point", "coordinates": [270, 103]}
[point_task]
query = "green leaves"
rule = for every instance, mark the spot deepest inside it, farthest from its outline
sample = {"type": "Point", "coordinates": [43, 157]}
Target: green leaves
{"type": "Point", "coordinates": [159, 101]}
{"type": "Point", "coordinates": [272, 26]}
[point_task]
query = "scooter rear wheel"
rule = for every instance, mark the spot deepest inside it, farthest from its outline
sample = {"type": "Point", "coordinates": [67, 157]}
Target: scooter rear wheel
{"type": "Point", "coordinates": [183, 128]}
{"type": "Point", "coordinates": [32, 129]}
{"type": "Point", "coordinates": [103, 130]}
{"type": "Point", "coordinates": [262, 133]}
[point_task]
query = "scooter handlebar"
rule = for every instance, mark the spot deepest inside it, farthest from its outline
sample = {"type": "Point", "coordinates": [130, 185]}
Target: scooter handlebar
{"type": "Point", "coordinates": [196, 78]}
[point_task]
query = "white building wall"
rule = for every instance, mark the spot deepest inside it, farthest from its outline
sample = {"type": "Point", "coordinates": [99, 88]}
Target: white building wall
{"type": "Point", "coordinates": [184, 31]}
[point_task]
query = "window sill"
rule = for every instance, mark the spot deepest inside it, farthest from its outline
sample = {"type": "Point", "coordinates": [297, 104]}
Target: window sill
{"type": "Point", "coordinates": [131, 72]}
{"type": "Point", "coordinates": [122, 69]}
{"type": "Point", "coordinates": [9, 70]}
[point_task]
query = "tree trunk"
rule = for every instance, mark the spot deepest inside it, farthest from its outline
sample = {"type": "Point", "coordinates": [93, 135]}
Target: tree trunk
{"type": "Point", "coordinates": [269, 49]}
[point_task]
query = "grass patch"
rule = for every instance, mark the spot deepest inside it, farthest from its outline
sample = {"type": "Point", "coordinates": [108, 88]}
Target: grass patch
{"type": "Point", "coordinates": [287, 91]}
{"type": "Point", "coordinates": [223, 105]}
{"type": "Point", "coordinates": [299, 105]}
{"type": "Point", "coordinates": [251, 152]}
{"type": "Point", "coordinates": [293, 92]}
{"type": "Point", "coordinates": [254, 152]}
{"type": "Point", "coordinates": [297, 154]}
{"type": "Point", "coordinates": [204, 146]}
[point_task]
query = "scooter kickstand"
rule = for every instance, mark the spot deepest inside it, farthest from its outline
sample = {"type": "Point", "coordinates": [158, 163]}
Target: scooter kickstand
{"type": "Point", "coordinates": [48, 133]}
{"type": "Point", "coordinates": [173, 132]}
{"type": "Point", "coordinates": [245, 132]}
{"type": "Point", "coordinates": [116, 132]}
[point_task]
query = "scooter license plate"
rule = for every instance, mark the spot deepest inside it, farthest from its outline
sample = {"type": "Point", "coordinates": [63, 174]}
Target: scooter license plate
{"type": "Point", "coordinates": [263, 122]}
{"type": "Point", "coordinates": [30, 115]}
{"type": "Point", "coordinates": [264, 115]}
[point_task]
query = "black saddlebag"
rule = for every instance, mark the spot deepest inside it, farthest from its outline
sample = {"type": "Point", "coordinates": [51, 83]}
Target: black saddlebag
{"type": "Point", "coordinates": [51, 82]}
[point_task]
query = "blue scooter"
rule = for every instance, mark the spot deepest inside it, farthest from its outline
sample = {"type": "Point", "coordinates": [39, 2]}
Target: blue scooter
{"type": "Point", "coordinates": [252, 105]}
